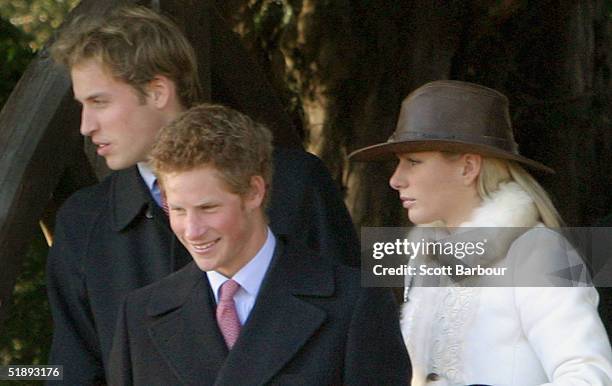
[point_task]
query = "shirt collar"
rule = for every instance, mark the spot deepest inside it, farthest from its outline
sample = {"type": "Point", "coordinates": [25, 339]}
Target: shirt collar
{"type": "Point", "coordinates": [147, 174]}
{"type": "Point", "coordinates": [252, 274]}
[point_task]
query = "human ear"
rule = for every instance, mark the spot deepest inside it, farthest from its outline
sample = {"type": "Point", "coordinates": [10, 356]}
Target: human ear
{"type": "Point", "coordinates": [160, 90]}
{"type": "Point", "coordinates": [472, 164]}
{"type": "Point", "coordinates": [255, 196]}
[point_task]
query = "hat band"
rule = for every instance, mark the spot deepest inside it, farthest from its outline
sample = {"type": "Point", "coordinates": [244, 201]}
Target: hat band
{"type": "Point", "coordinates": [500, 143]}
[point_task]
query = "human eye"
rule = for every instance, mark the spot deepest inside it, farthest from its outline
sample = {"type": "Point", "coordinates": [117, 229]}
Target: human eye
{"type": "Point", "coordinates": [99, 102]}
{"type": "Point", "coordinates": [208, 208]}
{"type": "Point", "coordinates": [410, 160]}
{"type": "Point", "coordinates": [178, 211]}
{"type": "Point", "coordinates": [96, 101]}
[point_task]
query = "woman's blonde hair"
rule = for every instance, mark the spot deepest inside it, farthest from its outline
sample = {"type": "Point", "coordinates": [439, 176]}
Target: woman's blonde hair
{"type": "Point", "coordinates": [494, 171]}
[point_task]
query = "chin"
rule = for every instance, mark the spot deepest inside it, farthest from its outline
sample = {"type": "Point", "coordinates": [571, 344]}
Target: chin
{"type": "Point", "coordinates": [415, 219]}
{"type": "Point", "coordinates": [420, 220]}
{"type": "Point", "coordinates": [116, 165]}
{"type": "Point", "coordinates": [202, 265]}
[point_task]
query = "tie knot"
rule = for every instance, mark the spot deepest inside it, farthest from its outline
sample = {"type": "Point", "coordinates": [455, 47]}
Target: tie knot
{"type": "Point", "coordinates": [228, 290]}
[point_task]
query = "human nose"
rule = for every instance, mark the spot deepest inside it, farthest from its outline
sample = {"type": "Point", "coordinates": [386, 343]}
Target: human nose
{"type": "Point", "coordinates": [88, 122]}
{"type": "Point", "coordinates": [194, 227]}
{"type": "Point", "coordinates": [397, 180]}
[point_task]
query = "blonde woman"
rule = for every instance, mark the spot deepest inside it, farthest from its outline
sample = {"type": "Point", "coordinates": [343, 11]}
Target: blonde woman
{"type": "Point", "coordinates": [459, 167]}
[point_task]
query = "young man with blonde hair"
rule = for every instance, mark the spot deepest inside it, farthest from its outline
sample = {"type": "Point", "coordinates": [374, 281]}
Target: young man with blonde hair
{"type": "Point", "coordinates": [254, 307]}
{"type": "Point", "coordinates": [134, 72]}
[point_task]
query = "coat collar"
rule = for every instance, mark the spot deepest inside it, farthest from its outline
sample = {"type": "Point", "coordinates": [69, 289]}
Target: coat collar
{"type": "Point", "coordinates": [279, 325]}
{"type": "Point", "coordinates": [509, 206]}
{"type": "Point", "coordinates": [500, 220]}
{"type": "Point", "coordinates": [175, 290]}
{"type": "Point", "coordinates": [300, 275]}
{"type": "Point", "coordinates": [129, 197]}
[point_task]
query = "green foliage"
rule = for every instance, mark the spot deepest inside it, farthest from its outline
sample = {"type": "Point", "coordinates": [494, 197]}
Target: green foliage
{"type": "Point", "coordinates": [15, 55]}
{"type": "Point", "coordinates": [26, 336]}
{"type": "Point", "coordinates": [25, 25]}
{"type": "Point", "coordinates": [38, 18]}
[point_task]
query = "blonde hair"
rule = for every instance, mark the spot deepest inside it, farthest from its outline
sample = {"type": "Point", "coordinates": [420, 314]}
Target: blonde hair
{"type": "Point", "coordinates": [215, 135]}
{"type": "Point", "coordinates": [494, 171]}
{"type": "Point", "coordinates": [134, 44]}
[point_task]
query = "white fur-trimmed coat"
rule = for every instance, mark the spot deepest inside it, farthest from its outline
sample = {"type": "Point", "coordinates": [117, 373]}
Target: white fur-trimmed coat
{"type": "Point", "coordinates": [511, 336]}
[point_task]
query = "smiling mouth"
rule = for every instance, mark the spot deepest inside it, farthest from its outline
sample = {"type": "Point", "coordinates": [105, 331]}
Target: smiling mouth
{"type": "Point", "coordinates": [204, 247]}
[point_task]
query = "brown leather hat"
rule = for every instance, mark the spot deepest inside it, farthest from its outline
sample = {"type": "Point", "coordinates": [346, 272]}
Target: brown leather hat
{"type": "Point", "coordinates": [450, 115]}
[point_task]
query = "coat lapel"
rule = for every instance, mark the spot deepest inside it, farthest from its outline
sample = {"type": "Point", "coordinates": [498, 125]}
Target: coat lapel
{"type": "Point", "coordinates": [280, 322]}
{"type": "Point", "coordinates": [186, 332]}
{"type": "Point", "coordinates": [129, 198]}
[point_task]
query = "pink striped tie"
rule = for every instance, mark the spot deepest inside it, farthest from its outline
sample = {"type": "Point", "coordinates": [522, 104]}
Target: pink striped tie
{"type": "Point", "coordinates": [227, 317]}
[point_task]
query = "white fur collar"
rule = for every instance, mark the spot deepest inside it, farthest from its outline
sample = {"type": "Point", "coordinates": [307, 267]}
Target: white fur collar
{"type": "Point", "coordinates": [509, 206]}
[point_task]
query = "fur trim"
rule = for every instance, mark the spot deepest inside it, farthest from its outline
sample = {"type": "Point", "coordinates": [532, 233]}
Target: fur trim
{"type": "Point", "coordinates": [509, 206]}
{"type": "Point", "coordinates": [435, 321]}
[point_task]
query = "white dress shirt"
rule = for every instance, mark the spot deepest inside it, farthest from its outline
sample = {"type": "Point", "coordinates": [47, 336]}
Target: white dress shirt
{"type": "Point", "coordinates": [249, 277]}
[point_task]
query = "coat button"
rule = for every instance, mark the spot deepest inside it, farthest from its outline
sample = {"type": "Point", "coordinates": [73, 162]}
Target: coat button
{"type": "Point", "coordinates": [149, 213]}
{"type": "Point", "coordinates": [432, 377]}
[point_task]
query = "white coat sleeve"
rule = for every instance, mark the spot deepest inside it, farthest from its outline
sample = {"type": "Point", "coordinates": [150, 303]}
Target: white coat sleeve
{"type": "Point", "coordinates": [563, 326]}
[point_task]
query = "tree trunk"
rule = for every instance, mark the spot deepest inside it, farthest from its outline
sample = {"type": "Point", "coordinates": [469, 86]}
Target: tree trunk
{"type": "Point", "coordinates": [350, 63]}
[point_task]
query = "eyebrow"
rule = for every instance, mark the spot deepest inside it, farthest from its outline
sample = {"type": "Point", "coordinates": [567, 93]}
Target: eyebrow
{"type": "Point", "coordinates": [92, 96]}
{"type": "Point", "coordinates": [403, 155]}
{"type": "Point", "coordinates": [207, 204]}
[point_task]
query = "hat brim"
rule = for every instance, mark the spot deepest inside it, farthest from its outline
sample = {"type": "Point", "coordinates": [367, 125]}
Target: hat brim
{"type": "Point", "coordinates": [387, 151]}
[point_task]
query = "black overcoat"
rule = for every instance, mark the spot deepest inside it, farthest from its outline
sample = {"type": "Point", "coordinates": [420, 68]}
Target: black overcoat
{"type": "Point", "coordinates": [312, 324]}
{"type": "Point", "coordinates": [112, 238]}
